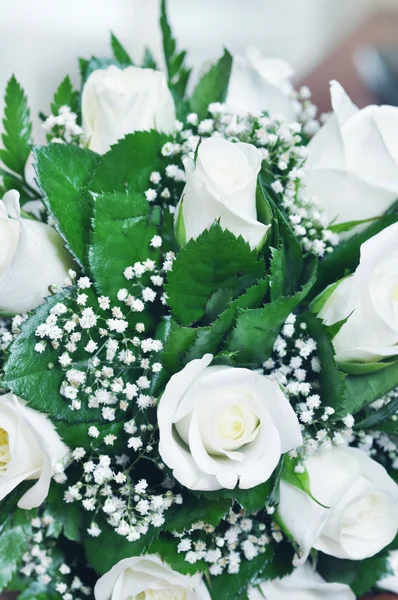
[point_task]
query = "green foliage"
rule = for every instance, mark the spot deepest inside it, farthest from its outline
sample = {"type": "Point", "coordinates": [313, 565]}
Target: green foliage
{"type": "Point", "coordinates": [275, 562]}
{"type": "Point", "coordinates": [298, 480]}
{"type": "Point", "coordinates": [177, 72]}
{"type": "Point", "coordinates": [345, 257]}
{"type": "Point", "coordinates": [195, 509]}
{"type": "Point", "coordinates": [37, 377]}
{"type": "Point", "coordinates": [166, 546]}
{"type": "Point", "coordinates": [215, 263]}
{"type": "Point", "coordinates": [17, 128]}
{"type": "Point", "coordinates": [65, 96]}
{"type": "Point", "coordinates": [255, 331]}
{"type": "Point", "coordinates": [14, 539]}
{"type": "Point", "coordinates": [121, 236]}
{"type": "Point", "coordinates": [212, 87]}
{"type": "Point", "coordinates": [360, 575]}
{"type": "Point", "coordinates": [109, 548]}
{"type": "Point", "coordinates": [119, 52]}
{"type": "Point", "coordinates": [148, 61]}
{"type": "Point", "coordinates": [365, 389]}
{"type": "Point", "coordinates": [63, 171]}
{"type": "Point", "coordinates": [382, 417]}
{"type": "Point", "coordinates": [68, 520]}
{"type": "Point", "coordinates": [128, 164]}
{"type": "Point", "coordinates": [251, 500]}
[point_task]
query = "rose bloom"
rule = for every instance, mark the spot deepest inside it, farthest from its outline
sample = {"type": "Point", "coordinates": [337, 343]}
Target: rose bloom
{"type": "Point", "coordinates": [32, 257]}
{"type": "Point", "coordinates": [222, 425]}
{"type": "Point", "coordinates": [368, 299]}
{"type": "Point", "coordinates": [221, 186]}
{"type": "Point", "coordinates": [148, 578]}
{"type": "Point", "coordinates": [303, 584]}
{"type": "Point", "coordinates": [352, 167]}
{"type": "Point", "coordinates": [359, 516]}
{"type": "Point", "coordinates": [30, 448]}
{"type": "Point", "coordinates": [116, 102]}
{"type": "Point", "coordinates": [259, 84]}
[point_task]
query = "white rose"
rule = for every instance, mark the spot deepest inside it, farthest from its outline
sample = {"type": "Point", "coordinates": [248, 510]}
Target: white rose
{"type": "Point", "coordinates": [303, 584]}
{"type": "Point", "coordinates": [369, 298]}
{"type": "Point", "coordinates": [390, 583]}
{"type": "Point", "coordinates": [259, 84]}
{"type": "Point", "coordinates": [352, 166]}
{"type": "Point", "coordinates": [148, 578]}
{"type": "Point", "coordinates": [29, 449]}
{"type": "Point", "coordinates": [361, 517]}
{"type": "Point", "coordinates": [222, 425]}
{"type": "Point", "coordinates": [116, 102]}
{"type": "Point", "coordinates": [221, 186]}
{"type": "Point", "coordinates": [32, 257]}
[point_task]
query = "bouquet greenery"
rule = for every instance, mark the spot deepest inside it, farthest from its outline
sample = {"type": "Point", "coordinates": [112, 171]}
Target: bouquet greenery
{"type": "Point", "coordinates": [199, 337]}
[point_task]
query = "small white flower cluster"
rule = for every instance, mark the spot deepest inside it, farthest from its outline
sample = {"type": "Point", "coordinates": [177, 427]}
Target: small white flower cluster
{"type": "Point", "coordinates": [10, 329]}
{"type": "Point", "coordinates": [236, 538]}
{"type": "Point", "coordinates": [107, 488]}
{"type": "Point", "coordinates": [39, 563]}
{"type": "Point", "coordinates": [63, 128]}
{"type": "Point", "coordinates": [295, 365]}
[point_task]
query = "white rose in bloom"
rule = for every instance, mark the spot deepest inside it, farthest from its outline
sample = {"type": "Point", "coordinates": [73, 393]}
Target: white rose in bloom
{"type": "Point", "coordinates": [390, 582]}
{"type": "Point", "coordinates": [148, 578]}
{"type": "Point", "coordinates": [32, 257]}
{"type": "Point", "coordinates": [352, 167]}
{"type": "Point", "coordinates": [29, 449]}
{"type": "Point", "coordinates": [116, 102]}
{"type": "Point", "coordinates": [222, 425]}
{"type": "Point", "coordinates": [369, 298]}
{"type": "Point", "coordinates": [259, 84]}
{"type": "Point", "coordinates": [303, 584]}
{"type": "Point", "coordinates": [362, 500]}
{"type": "Point", "coordinates": [221, 186]}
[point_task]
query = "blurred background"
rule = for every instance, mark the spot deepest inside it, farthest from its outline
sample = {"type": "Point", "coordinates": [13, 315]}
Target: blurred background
{"type": "Point", "coordinates": [354, 41]}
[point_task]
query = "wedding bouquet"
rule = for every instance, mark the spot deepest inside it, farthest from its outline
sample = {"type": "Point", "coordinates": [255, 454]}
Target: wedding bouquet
{"type": "Point", "coordinates": [199, 337]}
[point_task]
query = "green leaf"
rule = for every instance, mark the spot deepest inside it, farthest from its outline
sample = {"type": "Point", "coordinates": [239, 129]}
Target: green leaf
{"type": "Point", "coordinates": [345, 257]}
{"type": "Point", "coordinates": [365, 389]}
{"type": "Point", "coordinates": [148, 61]}
{"type": "Point", "coordinates": [116, 547]}
{"type": "Point", "coordinates": [68, 519]}
{"type": "Point", "coordinates": [332, 380]}
{"type": "Point", "coordinates": [361, 575]}
{"type": "Point", "coordinates": [195, 509]}
{"type": "Point", "coordinates": [166, 546]}
{"type": "Point", "coordinates": [129, 163]}
{"type": "Point", "coordinates": [319, 302]}
{"type": "Point", "coordinates": [37, 377]}
{"type": "Point", "coordinates": [212, 87]}
{"type": "Point", "coordinates": [17, 128]}
{"type": "Point", "coordinates": [348, 225]}
{"type": "Point", "coordinates": [63, 170]}
{"type": "Point", "coordinates": [251, 500]}
{"type": "Point", "coordinates": [380, 417]}
{"type": "Point", "coordinates": [65, 96]}
{"type": "Point", "coordinates": [121, 237]}
{"type": "Point", "coordinates": [14, 540]}
{"type": "Point", "coordinates": [178, 74]}
{"type": "Point", "coordinates": [119, 52]}
{"type": "Point", "coordinates": [215, 260]}
{"type": "Point", "coordinates": [298, 480]}
{"type": "Point", "coordinates": [255, 331]}
{"type": "Point", "coordinates": [352, 368]}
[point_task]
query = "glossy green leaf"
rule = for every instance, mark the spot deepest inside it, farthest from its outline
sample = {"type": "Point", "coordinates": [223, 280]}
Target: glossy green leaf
{"type": "Point", "coordinates": [119, 52]}
{"type": "Point", "coordinates": [17, 136]}
{"type": "Point", "coordinates": [212, 87]}
{"type": "Point", "coordinates": [63, 170]}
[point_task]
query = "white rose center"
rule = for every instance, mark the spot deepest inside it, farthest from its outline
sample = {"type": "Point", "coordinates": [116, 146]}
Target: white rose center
{"type": "Point", "coordinates": [229, 170]}
{"type": "Point", "coordinates": [5, 456]}
{"type": "Point", "coordinates": [173, 593]}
